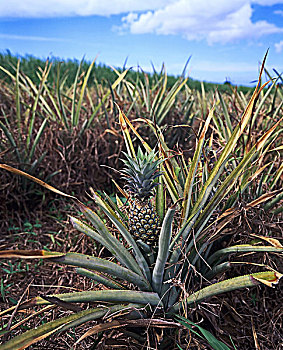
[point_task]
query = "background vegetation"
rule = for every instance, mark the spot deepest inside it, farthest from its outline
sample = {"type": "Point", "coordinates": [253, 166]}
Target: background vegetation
{"type": "Point", "coordinates": [100, 73]}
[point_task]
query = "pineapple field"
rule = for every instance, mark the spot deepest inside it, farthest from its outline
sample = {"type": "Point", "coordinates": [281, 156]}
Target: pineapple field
{"type": "Point", "coordinates": [138, 210]}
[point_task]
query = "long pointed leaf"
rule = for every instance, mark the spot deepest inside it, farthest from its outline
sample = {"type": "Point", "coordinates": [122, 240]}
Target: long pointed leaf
{"type": "Point", "coordinates": [213, 342]}
{"type": "Point", "coordinates": [29, 254]}
{"type": "Point", "coordinates": [266, 277]}
{"type": "Point", "coordinates": [76, 116]}
{"type": "Point", "coordinates": [34, 335]}
{"type": "Point", "coordinates": [100, 278]}
{"type": "Point", "coordinates": [163, 250]}
{"type": "Point", "coordinates": [193, 168]}
{"type": "Point", "coordinates": [102, 265]}
{"type": "Point", "coordinates": [242, 248]}
{"type": "Point", "coordinates": [81, 260]}
{"type": "Point", "coordinates": [111, 243]}
{"type": "Point", "coordinates": [30, 177]}
{"type": "Point", "coordinates": [109, 296]}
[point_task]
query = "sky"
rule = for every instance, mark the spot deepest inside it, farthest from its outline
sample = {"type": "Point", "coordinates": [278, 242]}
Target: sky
{"type": "Point", "coordinates": [226, 40]}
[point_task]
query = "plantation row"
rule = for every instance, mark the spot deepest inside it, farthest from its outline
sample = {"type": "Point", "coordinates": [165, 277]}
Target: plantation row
{"type": "Point", "coordinates": [42, 113]}
{"type": "Point", "coordinates": [100, 73]}
{"type": "Point", "coordinates": [202, 184]}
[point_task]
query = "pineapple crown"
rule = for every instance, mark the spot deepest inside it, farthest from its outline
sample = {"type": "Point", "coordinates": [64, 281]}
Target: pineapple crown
{"type": "Point", "coordinates": [140, 173]}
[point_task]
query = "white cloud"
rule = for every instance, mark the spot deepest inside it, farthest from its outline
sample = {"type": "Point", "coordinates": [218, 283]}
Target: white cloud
{"type": "Point", "coordinates": [279, 46]}
{"type": "Point", "coordinates": [66, 8]}
{"type": "Point", "coordinates": [267, 2]}
{"type": "Point", "coordinates": [219, 21]}
{"type": "Point", "coordinates": [27, 37]}
{"type": "Point", "coordinates": [278, 12]}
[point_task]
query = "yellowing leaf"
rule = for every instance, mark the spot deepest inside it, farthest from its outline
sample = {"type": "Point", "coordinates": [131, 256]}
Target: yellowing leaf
{"type": "Point", "coordinates": [35, 340]}
{"type": "Point", "coordinates": [29, 254]}
{"type": "Point", "coordinates": [268, 281]}
{"type": "Point", "coordinates": [280, 148]}
{"type": "Point", "coordinates": [274, 242]}
{"type": "Point", "coordinates": [35, 179]}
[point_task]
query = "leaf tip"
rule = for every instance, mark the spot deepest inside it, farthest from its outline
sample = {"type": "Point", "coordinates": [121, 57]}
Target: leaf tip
{"type": "Point", "coordinates": [269, 281]}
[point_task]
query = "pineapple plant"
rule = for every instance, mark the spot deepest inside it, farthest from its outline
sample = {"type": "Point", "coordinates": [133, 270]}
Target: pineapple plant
{"type": "Point", "coordinates": [185, 247]}
{"type": "Point", "coordinates": [140, 174]}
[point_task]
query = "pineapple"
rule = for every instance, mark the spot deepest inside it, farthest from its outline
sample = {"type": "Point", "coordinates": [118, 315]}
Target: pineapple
{"type": "Point", "coordinates": [140, 173]}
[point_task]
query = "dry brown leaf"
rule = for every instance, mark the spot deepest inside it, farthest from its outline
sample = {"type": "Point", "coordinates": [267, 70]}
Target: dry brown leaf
{"type": "Point", "coordinates": [132, 323]}
{"type": "Point", "coordinates": [265, 197]}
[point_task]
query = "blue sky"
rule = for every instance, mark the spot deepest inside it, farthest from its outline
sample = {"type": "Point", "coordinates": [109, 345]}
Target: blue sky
{"type": "Point", "coordinates": [226, 39]}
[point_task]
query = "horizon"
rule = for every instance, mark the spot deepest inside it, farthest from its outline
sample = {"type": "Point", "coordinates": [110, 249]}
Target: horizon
{"type": "Point", "coordinates": [226, 42]}
{"type": "Point", "coordinates": [136, 69]}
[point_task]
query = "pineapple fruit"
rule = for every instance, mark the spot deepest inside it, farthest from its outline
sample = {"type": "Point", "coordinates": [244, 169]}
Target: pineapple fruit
{"type": "Point", "coordinates": [140, 173]}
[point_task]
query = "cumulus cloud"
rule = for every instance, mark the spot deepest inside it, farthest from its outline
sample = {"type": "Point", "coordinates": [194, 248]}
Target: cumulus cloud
{"type": "Point", "coordinates": [267, 2]}
{"type": "Point", "coordinates": [214, 21]}
{"type": "Point", "coordinates": [66, 8]}
{"type": "Point", "coordinates": [220, 21]}
{"type": "Point", "coordinates": [279, 46]}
